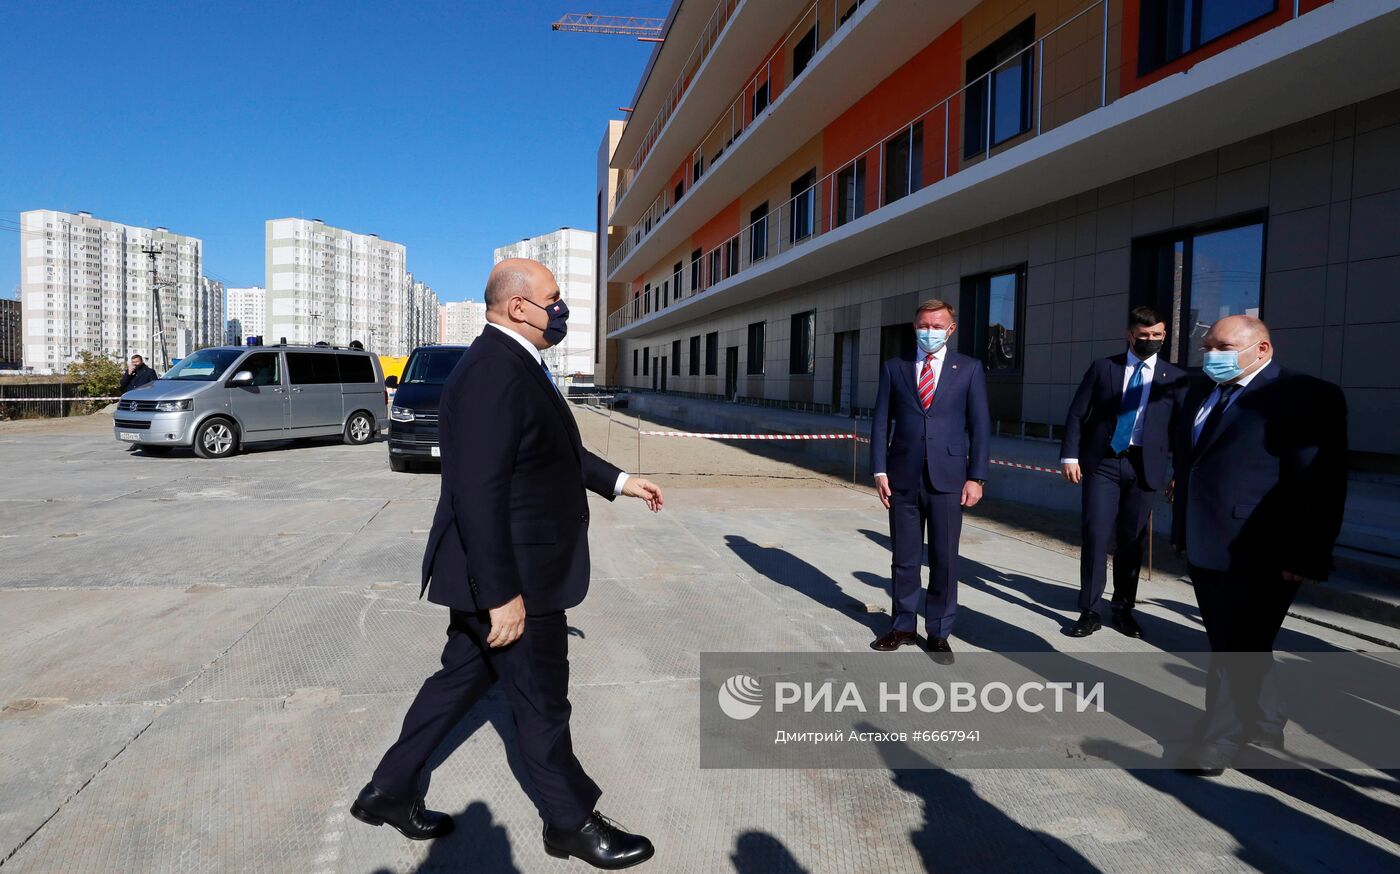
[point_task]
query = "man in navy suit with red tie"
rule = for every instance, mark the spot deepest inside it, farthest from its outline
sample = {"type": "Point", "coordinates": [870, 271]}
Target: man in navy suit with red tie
{"type": "Point", "coordinates": [1117, 437]}
{"type": "Point", "coordinates": [930, 444]}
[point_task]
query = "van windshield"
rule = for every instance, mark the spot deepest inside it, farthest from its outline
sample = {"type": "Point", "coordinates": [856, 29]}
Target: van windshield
{"type": "Point", "coordinates": [206, 365]}
{"type": "Point", "coordinates": [431, 366]}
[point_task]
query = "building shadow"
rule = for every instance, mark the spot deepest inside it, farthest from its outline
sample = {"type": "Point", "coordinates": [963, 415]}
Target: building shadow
{"type": "Point", "coordinates": [479, 845]}
{"type": "Point", "coordinates": [952, 811]}
{"type": "Point", "coordinates": [1272, 835]}
{"type": "Point", "coordinates": [786, 569]}
{"type": "Point", "coordinates": [761, 853]}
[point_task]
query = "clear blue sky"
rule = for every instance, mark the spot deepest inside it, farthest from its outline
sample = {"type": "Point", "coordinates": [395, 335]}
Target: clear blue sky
{"type": "Point", "coordinates": [450, 127]}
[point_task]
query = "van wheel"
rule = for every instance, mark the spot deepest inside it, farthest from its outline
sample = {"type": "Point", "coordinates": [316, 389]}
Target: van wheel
{"type": "Point", "coordinates": [215, 438]}
{"type": "Point", "coordinates": [400, 465]}
{"type": "Point", "coordinates": [359, 429]}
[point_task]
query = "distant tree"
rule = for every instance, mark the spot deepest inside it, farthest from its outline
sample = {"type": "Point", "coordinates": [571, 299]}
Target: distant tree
{"type": "Point", "coordinates": [95, 376]}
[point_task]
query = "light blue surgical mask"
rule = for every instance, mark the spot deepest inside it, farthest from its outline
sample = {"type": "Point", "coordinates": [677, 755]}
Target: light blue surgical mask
{"type": "Point", "coordinates": [931, 339]}
{"type": "Point", "coordinates": [1222, 365]}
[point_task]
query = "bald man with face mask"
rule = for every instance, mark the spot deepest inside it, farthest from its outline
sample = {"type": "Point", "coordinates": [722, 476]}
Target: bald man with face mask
{"type": "Point", "coordinates": [508, 554]}
{"type": "Point", "coordinates": [1261, 478]}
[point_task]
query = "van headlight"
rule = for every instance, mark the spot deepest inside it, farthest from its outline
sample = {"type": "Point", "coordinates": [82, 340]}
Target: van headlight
{"type": "Point", "coordinates": [401, 414]}
{"type": "Point", "coordinates": [172, 406]}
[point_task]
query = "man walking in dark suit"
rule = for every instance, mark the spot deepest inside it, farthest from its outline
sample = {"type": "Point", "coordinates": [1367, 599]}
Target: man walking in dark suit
{"type": "Point", "coordinates": [1261, 479]}
{"type": "Point", "coordinates": [929, 446]}
{"type": "Point", "coordinates": [1117, 437]}
{"type": "Point", "coordinates": [508, 553]}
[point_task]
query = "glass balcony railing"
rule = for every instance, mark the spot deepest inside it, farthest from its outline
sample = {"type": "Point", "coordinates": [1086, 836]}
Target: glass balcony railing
{"type": "Point", "coordinates": [1056, 78]}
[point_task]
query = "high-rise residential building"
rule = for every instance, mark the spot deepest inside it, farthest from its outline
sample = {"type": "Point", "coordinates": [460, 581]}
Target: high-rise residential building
{"type": "Point", "coordinates": [333, 285]}
{"type": "Point", "coordinates": [11, 337]}
{"type": "Point", "coordinates": [213, 326]}
{"type": "Point", "coordinates": [462, 321]}
{"type": "Point", "coordinates": [87, 286]}
{"type": "Point", "coordinates": [569, 253]}
{"type": "Point", "coordinates": [795, 178]}
{"type": "Point", "coordinates": [247, 314]}
{"type": "Point", "coordinates": [423, 315]}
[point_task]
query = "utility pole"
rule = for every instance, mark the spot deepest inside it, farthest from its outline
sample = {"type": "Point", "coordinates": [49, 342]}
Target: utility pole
{"type": "Point", "coordinates": [154, 251]}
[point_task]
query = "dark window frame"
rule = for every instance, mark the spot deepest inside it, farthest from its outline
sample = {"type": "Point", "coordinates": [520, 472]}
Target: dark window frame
{"type": "Point", "coordinates": [976, 103]}
{"type": "Point", "coordinates": [912, 174]}
{"type": "Point", "coordinates": [758, 233]}
{"type": "Point", "coordinates": [804, 50]}
{"type": "Point", "coordinates": [675, 357]}
{"type": "Point", "coordinates": [712, 353]}
{"type": "Point", "coordinates": [850, 192]}
{"type": "Point", "coordinates": [757, 342]}
{"type": "Point", "coordinates": [803, 206]}
{"type": "Point", "coordinates": [678, 279]}
{"type": "Point", "coordinates": [973, 330]}
{"type": "Point", "coordinates": [1161, 32]}
{"type": "Point", "coordinates": [694, 362]}
{"type": "Point", "coordinates": [646, 361]}
{"type": "Point", "coordinates": [697, 277]}
{"type": "Point", "coordinates": [802, 344]}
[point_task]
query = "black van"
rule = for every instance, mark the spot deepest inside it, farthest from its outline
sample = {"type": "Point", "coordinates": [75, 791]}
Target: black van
{"type": "Point", "coordinates": [413, 416]}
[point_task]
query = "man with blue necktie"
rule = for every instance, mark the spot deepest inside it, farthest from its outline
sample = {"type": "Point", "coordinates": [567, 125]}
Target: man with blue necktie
{"type": "Point", "coordinates": [1117, 438]}
{"type": "Point", "coordinates": [930, 447]}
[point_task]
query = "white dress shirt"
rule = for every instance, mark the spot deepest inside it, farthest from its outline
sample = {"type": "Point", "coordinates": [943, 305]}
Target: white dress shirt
{"type": "Point", "coordinates": [1214, 398]}
{"type": "Point", "coordinates": [1149, 365]}
{"type": "Point", "coordinates": [919, 372]}
{"type": "Point", "coordinates": [535, 354]}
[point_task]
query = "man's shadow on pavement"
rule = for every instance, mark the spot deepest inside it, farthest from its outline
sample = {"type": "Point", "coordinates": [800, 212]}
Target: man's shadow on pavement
{"type": "Point", "coordinates": [760, 853]}
{"type": "Point", "coordinates": [786, 569]}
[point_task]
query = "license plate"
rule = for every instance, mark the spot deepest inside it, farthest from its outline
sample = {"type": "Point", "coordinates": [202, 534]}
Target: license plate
{"type": "Point", "coordinates": [131, 436]}
{"type": "Point", "coordinates": [436, 452]}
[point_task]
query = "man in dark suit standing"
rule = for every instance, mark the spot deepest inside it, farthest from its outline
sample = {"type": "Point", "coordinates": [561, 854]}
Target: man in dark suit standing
{"type": "Point", "coordinates": [929, 446]}
{"type": "Point", "coordinates": [508, 553]}
{"type": "Point", "coordinates": [1261, 479]}
{"type": "Point", "coordinates": [1117, 440]}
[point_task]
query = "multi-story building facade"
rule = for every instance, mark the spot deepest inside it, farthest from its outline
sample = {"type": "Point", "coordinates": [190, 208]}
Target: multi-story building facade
{"type": "Point", "coordinates": [87, 286]}
{"type": "Point", "coordinates": [333, 285]}
{"type": "Point", "coordinates": [423, 315]}
{"type": "Point", "coordinates": [570, 254]}
{"type": "Point", "coordinates": [795, 177]}
{"type": "Point", "coordinates": [247, 314]}
{"type": "Point", "coordinates": [461, 322]}
{"type": "Point", "coordinates": [11, 335]}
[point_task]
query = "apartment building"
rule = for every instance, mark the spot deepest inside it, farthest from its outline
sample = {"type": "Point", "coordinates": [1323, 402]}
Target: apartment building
{"type": "Point", "coordinates": [570, 254]}
{"type": "Point", "coordinates": [87, 285]}
{"type": "Point", "coordinates": [247, 314]}
{"type": "Point", "coordinates": [795, 177]}
{"type": "Point", "coordinates": [328, 284]}
{"type": "Point", "coordinates": [461, 321]}
{"type": "Point", "coordinates": [11, 339]}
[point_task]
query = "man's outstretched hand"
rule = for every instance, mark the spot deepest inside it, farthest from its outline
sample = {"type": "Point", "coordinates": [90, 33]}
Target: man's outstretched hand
{"type": "Point", "coordinates": [648, 491]}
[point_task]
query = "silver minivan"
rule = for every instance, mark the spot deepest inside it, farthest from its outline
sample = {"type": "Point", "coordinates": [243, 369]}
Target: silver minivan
{"type": "Point", "coordinates": [221, 398]}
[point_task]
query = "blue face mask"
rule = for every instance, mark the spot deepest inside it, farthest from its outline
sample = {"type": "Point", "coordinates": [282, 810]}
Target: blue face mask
{"type": "Point", "coordinates": [931, 339]}
{"type": "Point", "coordinates": [1222, 365]}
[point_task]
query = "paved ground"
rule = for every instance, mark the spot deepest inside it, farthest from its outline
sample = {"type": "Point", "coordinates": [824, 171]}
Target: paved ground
{"type": "Point", "coordinates": [200, 663]}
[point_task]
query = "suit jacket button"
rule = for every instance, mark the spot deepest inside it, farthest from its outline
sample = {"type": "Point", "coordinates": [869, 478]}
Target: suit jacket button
{"type": "Point", "coordinates": [585, 517]}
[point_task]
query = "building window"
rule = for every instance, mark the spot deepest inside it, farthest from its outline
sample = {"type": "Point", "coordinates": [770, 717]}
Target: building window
{"type": "Point", "coordinates": [1197, 277]}
{"type": "Point", "coordinates": [756, 338]}
{"type": "Point", "coordinates": [666, 293]}
{"type": "Point", "coordinates": [990, 323]}
{"type": "Point", "coordinates": [850, 192]}
{"type": "Point", "coordinates": [760, 98]}
{"type": "Point", "coordinates": [758, 234]}
{"type": "Point", "coordinates": [904, 162]}
{"type": "Point", "coordinates": [675, 357]}
{"type": "Point", "coordinates": [679, 192]}
{"type": "Point", "coordinates": [646, 297]}
{"type": "Point", "coordinates": [804, 201]}
{"type": "Point", "coordinates": [1169, 29]}
{"type": "Point", "coordinates": [712, 353]}
{"type": "Point", "coordinates": [999, 89]}
{"type": "Point", "coordinates": [695, 355]}
{"type": "Point", "coordinates": [695, 283]}
{"type": "Point", "coordinates": [697, 169]}
{"type": "Point", "coordinates": [646, 361]}
{"type": "Point", "coordinates": [803, 52]}
{"type": "Point", "coordinates": [731, 256]}
{"type": "Point", "coordinates": [802, 353]}
{"type": "Point", "coordinates": [676, 275]}
{"type": "Point", "coordinates": [716, 254]}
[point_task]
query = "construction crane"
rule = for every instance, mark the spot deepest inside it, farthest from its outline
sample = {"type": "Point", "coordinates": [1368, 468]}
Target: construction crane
{"type": "Point", "coordinates": [644, 29]}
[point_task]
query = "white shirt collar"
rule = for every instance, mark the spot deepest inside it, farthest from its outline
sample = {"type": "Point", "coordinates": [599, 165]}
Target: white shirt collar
{"type": "Point", "coordinates": [528, 346]}
{"type": "Point", "coordinates": [937, 356]}
{"type": "Point", "coordinates": [1150, 361]}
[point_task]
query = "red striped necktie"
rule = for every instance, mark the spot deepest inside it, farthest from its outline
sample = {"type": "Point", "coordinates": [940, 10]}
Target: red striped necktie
{"type": "Point", "coordinates": [926, 382]}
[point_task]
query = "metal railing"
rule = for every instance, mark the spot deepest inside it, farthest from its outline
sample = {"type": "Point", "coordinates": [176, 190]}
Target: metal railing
{"type": "Point", "coordinates": [1051, 84]}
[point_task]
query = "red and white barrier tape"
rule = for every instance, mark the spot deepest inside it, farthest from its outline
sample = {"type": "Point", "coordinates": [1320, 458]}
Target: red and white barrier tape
{"type": "Point", "coordinates": [1019, 466]}
{"type": "Point", "coordinates": [56, 400]}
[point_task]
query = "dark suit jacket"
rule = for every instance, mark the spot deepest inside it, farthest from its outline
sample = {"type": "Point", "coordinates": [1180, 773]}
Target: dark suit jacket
{"type": "Point", "coordinates": [1264, 492]}
{"type": "Point", "coordinates": [136, 378]}
{"type": "Point", "coordinates": [951, 440]}
{"type": "Point", "coordinates": [1093, 416]}
{"type": "Point", "coordinates": [512, 518]}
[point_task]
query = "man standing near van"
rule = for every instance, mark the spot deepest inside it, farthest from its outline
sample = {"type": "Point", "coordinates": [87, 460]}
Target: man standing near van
{"type": "Point", "coordinates": [1117, 439]}
{"type": "Point", "coordinates": [137, 374]}
{"type": "Point", "coordinates": [508, 553]}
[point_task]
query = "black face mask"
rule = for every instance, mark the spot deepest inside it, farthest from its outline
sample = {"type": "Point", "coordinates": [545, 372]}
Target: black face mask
{"type": "Point", "coordinates": [1145, 349]}
{"type": "Point", "coordinates": [558, 324]}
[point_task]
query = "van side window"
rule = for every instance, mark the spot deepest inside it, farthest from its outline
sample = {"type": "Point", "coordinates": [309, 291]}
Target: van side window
{"type": "Point", "coordinates": [312, 368]}
{"type": "Point", "coordinates": [266, 367]}
{"type": "Point", "coordinates": [355, 368]}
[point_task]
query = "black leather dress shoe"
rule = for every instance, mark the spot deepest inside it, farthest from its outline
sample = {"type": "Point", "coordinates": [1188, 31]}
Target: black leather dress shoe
{"type": "Point", "coordinates": [893, 640]}
{"type": "Point", "coordinates": [408, 815]}
{"type": "Point", "coordinates": [1123, 621]}
{"type": "Point", "coordinates": [1088, 623]}
{"type": "Point", "coordinates": [599, 842]}
{"type": "Point", "coordinates": [939, 650]}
